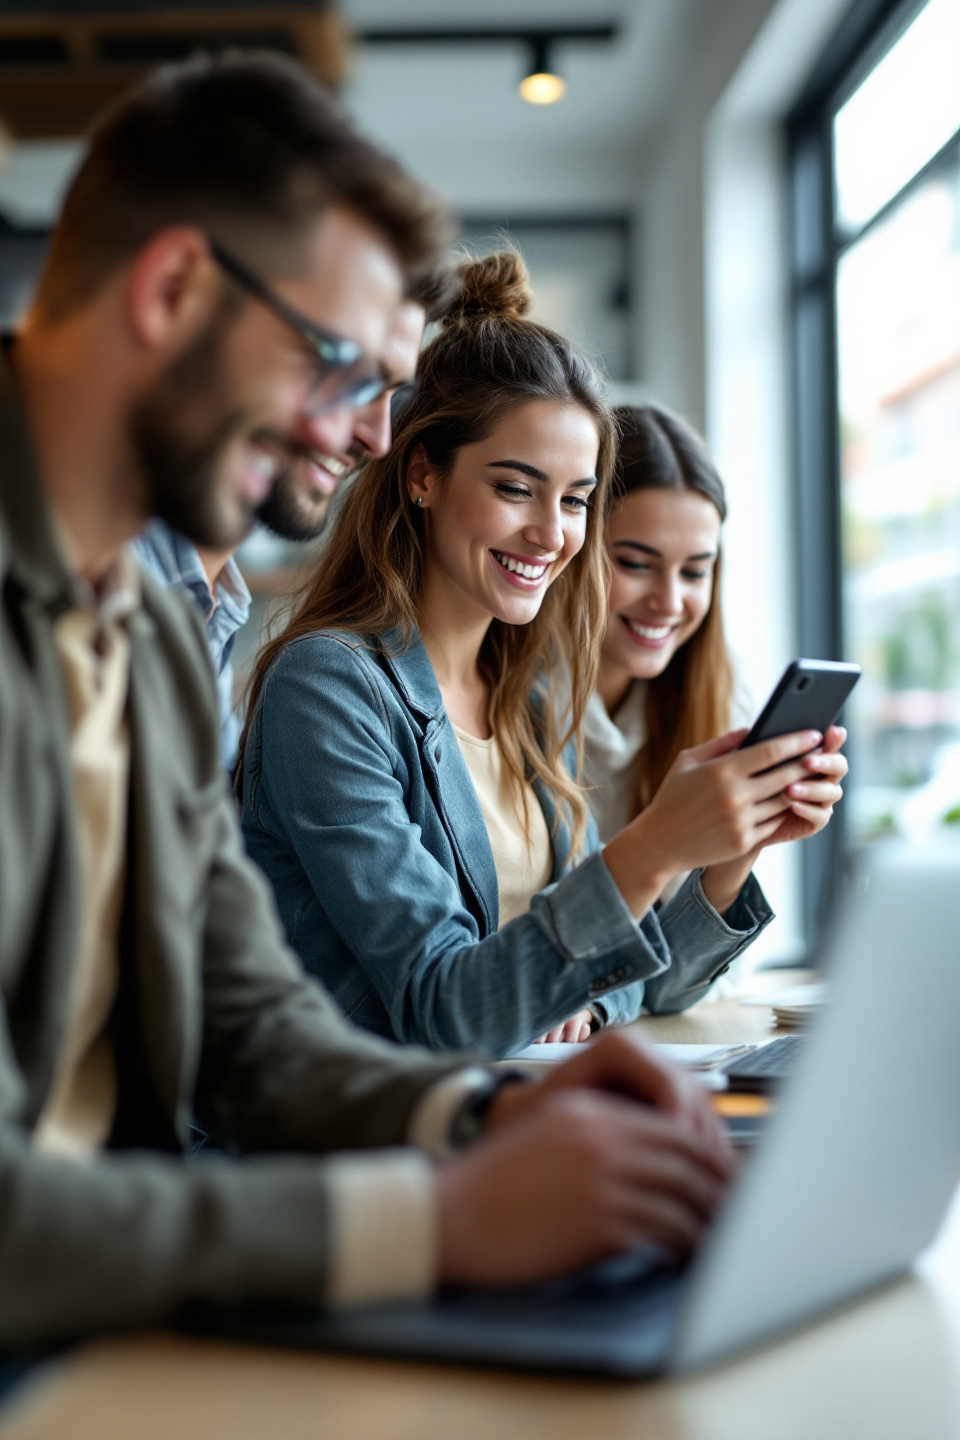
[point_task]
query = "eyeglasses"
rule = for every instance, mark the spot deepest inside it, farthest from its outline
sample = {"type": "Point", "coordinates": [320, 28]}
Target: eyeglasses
{"type": "Point", "coordinates": [343, 375]}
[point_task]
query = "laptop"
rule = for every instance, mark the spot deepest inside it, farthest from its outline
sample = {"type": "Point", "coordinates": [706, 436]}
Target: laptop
{"type": "Point", "coordinates": [848, 1186]}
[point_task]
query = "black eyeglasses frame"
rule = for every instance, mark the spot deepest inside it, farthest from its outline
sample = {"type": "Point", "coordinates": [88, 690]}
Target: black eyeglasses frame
{"type": "Point", "coordinates": [335, 353]}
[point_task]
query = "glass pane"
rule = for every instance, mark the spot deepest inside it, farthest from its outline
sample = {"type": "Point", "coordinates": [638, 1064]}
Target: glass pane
{"type": "Point", "coordinates": [904, 112]}
{"type": "Point", "coordinates": [898, 308]}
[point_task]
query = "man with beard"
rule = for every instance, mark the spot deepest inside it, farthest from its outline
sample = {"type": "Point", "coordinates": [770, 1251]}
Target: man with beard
{"type": "Point", "coordinates": [295, 508]}
{"type": "Point", "coordinates": [174, 360]}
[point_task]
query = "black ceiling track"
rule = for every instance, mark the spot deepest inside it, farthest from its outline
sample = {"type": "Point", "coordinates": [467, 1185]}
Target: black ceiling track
{"type": "Point", "coordinates": [484, 35]}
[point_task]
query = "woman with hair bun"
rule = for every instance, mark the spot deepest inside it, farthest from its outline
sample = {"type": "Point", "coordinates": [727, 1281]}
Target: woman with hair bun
{"type": "Point", "coordinates": [409, 771]}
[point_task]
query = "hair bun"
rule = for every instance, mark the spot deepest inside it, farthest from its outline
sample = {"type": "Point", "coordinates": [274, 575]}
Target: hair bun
{"type": "Point", "coordinates": [495, 284]}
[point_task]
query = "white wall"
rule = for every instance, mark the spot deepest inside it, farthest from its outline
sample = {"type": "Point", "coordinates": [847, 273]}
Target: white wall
{"type": "Point", "coordinates": [670, 188]}
{"type": "Point", "coordinates": [33, 177]}
{"type": "Point", "coordinates": [713, 338]}
{"type": "Point", "coordinates": [747, 369]}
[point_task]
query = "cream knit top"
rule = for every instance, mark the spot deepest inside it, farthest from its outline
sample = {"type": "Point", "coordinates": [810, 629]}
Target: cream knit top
{"type": "Point", "coordinates": [523, 867]}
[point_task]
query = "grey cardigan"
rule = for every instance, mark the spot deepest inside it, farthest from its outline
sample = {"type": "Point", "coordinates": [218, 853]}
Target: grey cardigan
{"type": "Point", "coordinates": [214, 1010]}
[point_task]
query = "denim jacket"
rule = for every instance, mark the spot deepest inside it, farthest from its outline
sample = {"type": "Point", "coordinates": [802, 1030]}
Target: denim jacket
{"type": "Point", "coordinates": [358, 805]}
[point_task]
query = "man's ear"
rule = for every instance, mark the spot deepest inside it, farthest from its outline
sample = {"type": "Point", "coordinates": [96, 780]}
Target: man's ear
{"type": "Point", "coordinates": [421, 478]}
{"type": "Point", "coordinates": [172, 287]}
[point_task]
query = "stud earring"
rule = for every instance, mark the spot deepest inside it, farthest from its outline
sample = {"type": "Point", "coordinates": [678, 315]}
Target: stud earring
{"type": "Point", "coordinates": [419, 500]}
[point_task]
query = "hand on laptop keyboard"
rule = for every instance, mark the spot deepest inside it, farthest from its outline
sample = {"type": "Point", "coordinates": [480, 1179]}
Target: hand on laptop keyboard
{"type": "Point", "coordinates": [621, 1061]}
{"type": "Point", "coordinates": [613, 1149]}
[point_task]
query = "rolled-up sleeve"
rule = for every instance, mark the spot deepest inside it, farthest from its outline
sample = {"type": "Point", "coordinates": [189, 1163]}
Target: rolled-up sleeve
{"type": "Point", "coordinates": [703, 944]}
{"type": "Point", "coordinates": [589, 923]}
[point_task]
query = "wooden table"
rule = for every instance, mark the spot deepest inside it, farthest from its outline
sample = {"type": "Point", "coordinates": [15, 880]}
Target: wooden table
{"type": "Point", "coordinates": [720, 1022]}
{"type": "Point", "coordinates": [886, 1369]}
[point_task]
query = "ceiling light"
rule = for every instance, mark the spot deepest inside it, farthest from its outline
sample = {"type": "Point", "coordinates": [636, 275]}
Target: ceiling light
{"type": "Point", "coordinates": [541, 85]}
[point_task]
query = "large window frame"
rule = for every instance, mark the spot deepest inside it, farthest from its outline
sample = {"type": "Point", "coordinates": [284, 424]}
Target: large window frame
{"type": "Point", "coordinates": [817, 244]}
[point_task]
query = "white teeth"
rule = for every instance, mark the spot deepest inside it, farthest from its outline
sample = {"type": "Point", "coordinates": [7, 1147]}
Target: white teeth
{"type": "Point", "coordinates": [263, 464]}
{"type": "Point", "coordinates": [333, 466]}
{"type": "Point", "coordinates": [648, 632]}
{"type": "Point", "coordinates": [518, 567]}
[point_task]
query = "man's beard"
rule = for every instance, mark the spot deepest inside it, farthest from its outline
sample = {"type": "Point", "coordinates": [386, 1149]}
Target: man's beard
{"type": "Point", "coordinates": [283, 512]}
{"type": "Point", "coordinates": [180, 431]}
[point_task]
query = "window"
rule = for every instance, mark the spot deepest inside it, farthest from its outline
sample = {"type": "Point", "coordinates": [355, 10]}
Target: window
{"type": "Point", "coordinates": [580, 272]}
{"type": "Point", "coordinates": [875, 165]}
{"type": "Point", "coordinates": [898, 345]}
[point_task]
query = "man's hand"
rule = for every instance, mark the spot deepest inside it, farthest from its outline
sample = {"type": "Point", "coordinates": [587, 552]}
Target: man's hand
{"type": "Point", "coordinates": [612, 1148]}
{"type": "Point", "coordinates": [622, 1062]}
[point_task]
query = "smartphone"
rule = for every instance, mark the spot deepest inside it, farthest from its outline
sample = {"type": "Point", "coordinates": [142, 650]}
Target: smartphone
{"type": "Point", "coordinates": [809, 696]}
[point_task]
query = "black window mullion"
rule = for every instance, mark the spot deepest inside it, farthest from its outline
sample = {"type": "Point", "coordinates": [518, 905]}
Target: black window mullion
{"type": "Point", "coordinates": [865, 34]}
{"type": "Point", "coordinates": [816, 447]}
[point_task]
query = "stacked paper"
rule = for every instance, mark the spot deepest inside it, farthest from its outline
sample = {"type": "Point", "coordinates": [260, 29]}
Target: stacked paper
{"type": "Point", "coordinates": [796, 1006]}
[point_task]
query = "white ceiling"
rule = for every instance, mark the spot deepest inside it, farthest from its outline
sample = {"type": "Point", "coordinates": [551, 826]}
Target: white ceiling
{"type": "Point", "coordinates": [454, 116]}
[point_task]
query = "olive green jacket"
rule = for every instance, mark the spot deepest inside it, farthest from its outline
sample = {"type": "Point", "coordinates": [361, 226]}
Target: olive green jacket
{"type": "Point", "coordinates": [214, 1015]}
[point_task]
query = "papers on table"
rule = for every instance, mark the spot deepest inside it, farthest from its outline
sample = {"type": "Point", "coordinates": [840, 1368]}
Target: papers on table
{"type": "Point", "coordinates": [704, 1057]}
{"type": "Point", "coordinates": [550, 1054]}
{"type": "Point", "coordinates": [706, 1060]}
{"type": "Point", "coordinates": [695, 1057]}
{"type": "Point", "coordinates": [796, 1006]}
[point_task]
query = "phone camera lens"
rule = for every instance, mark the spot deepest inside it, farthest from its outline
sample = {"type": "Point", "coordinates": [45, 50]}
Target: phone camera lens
{"type": "Point", "coordinates": [804, 683]}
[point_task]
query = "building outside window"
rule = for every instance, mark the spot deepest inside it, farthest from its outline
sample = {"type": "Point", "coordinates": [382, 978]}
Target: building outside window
{"type": "Point", "coordinates": [897, 167]}
{"type": "Point", "coordinates": [876, 247]}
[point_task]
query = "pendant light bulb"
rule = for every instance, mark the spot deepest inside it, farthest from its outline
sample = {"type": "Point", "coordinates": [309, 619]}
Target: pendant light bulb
{"type": "Point", "coordinates": [541, 85]}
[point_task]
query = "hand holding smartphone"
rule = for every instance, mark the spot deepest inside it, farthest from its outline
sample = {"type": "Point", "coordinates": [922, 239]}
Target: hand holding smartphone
{"type": "Point", "coordinates": [809, 696]}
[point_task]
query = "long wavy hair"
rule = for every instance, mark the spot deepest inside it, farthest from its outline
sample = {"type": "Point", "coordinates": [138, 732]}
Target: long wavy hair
{"type": "Point", "coordinates": [690, 702]}
{"type": "Point", "coordinates": [369, 577]}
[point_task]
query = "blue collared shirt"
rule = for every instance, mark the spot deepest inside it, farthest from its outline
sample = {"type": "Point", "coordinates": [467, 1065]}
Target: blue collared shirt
{"type": "Point", "coordinates": [175, 562]}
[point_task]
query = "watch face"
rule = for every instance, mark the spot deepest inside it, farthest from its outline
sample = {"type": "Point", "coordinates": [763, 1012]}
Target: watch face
{"type": "Point", "coordinates": [467, 1123]}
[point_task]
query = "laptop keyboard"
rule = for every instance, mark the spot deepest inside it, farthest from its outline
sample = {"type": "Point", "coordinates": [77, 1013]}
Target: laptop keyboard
{"type": "Point", "coordinates": [766, 1066]}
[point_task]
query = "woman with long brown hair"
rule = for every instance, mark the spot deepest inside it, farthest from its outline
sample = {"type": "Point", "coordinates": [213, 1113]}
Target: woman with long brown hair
{"type": "Point", "coordinates": [665, 681]}
{"type": "Point", "coordinates": [409, 772]}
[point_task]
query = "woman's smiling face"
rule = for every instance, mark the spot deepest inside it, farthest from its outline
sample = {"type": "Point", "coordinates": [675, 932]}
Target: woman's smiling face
{"type": "Point", "coordinates": [663, 547]}
{"type": "Point", "coordinates": [511, 514]}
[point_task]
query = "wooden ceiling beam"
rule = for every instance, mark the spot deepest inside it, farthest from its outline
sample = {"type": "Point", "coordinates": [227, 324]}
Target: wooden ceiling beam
{"type": "Point", "coordinates": [54, 87]}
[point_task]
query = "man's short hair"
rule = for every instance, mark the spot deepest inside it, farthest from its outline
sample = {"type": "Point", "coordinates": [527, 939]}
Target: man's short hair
{"type": "Point", "coordinates": [249, 147]}
{"type": "Point", "coordinates": [435, 291]}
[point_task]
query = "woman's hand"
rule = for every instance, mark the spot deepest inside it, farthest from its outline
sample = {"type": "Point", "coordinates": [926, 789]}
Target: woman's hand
{"type": "Point", "coordinates": [811, 807]}
{"type": "Point", "coordinates": [578, 1027]}
{"type": "Point", "coordinates": [812, 798]}
{"type": "Point", "coordinates": [717, 804]}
